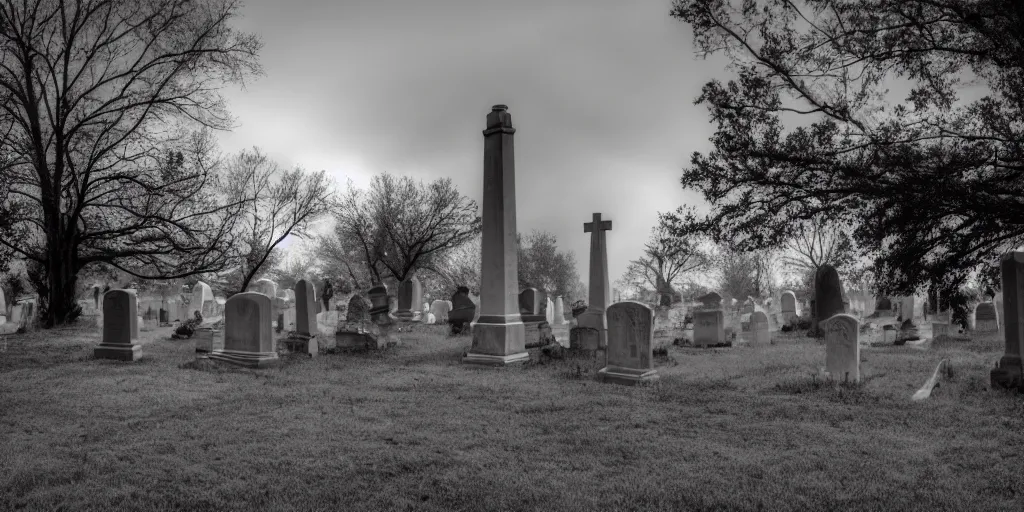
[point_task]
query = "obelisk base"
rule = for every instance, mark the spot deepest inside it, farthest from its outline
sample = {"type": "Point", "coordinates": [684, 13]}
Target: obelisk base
{"type": "Point", "coordinates": [594, 320]}
{"type": "Point", "coordinates": [498, 344]}
{"type": "Point", "coordinates": [118, 351]}
{"type": "Point", "coordinates": [1008, 374]}
{"type": "Point", "coordinates": [626, 376]}
{"type": "Point", "coordinates": [247, 359]}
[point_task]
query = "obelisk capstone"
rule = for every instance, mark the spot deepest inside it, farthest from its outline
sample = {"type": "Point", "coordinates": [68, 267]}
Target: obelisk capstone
{"type": "Point", "coordinates": [594, 317]}
{"type": "Point", "coordinates": [499, 336]}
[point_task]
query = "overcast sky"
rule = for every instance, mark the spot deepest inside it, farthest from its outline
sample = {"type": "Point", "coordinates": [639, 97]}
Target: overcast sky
{"type": "Point", "coordinates": [600, 92]}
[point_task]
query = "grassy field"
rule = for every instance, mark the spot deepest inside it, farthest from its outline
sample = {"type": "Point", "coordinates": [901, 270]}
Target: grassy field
{"type": "Point", "coordinates": [740, 428]}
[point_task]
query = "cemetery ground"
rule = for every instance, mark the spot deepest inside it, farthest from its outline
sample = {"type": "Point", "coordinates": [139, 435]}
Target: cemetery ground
{"type": "Point", "coordinates": [413, 428]}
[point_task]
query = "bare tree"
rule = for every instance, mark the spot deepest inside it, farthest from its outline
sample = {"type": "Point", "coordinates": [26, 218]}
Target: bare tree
{"type": "Point", "coordinates": [278, 204]}
{"type": "Point", "coordinates": [816, 242]}
{"type": "Point", "coordinates": [399, 224]}
{"type": "Point", "coordinates": [458, 266]}
{"type": "Point", "coordinates": [342, 259]}
{"type": "Point", "coordinates": [98, 102]}
{"type": "Point", "coordinates": [666, 259]}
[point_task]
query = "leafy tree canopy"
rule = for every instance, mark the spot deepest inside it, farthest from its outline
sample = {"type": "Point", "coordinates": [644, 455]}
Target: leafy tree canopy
{"type": "Point", "coordinates": [932, 183]}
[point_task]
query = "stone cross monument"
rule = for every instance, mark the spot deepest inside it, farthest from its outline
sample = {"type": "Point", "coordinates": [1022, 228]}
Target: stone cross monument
{"type": "Point", "coordinates": [594, 317]}
{"type": "Point", "coordinates": [499, 336]}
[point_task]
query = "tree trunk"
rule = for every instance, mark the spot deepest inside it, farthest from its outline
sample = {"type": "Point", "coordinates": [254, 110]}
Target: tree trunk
{"type": "Point", "coordinates": [62, 270]}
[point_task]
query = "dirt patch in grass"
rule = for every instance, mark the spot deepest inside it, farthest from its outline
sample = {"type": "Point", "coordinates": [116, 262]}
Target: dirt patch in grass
{"type": "Point", "coordinates": [412, 428]}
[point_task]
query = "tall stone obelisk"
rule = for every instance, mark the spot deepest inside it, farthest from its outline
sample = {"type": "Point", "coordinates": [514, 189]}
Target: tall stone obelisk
{"type": "Point", "coordinates": [594, 317]}
{"type": "Point", "coordinates": [499, 336]}
{"type": "Point", "coordinates": [1009, 371]}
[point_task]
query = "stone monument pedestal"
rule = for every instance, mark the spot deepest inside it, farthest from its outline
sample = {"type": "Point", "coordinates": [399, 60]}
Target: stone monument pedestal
{"type": "Point", "coordinates": [596, 321]}
{"type": "Point", "coordinates": [247, 359]}
{"type": "Point", "coordinates": [118, 351]}
{"type": "Point", "coordinates": [1008, 374]}
{"type": "Point", "coordinates": [206, 340]}
{"type": "Point", "coordinates": [497, 344]}
{"type": "Point", "coordinates": [301, 343]}
{"type": "Point", "coordinates": [626, 376]}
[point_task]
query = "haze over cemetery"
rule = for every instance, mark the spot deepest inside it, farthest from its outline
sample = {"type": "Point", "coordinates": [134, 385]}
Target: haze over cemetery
{"type": "Point", "coordinates": [654, 255]}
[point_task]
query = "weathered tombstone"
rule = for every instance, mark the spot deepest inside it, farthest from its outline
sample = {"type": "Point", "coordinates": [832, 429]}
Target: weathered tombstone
{"type": "Point", "coordinates": [528, 303]}
{"type": "Point", "coordinates": [120, 328]}
{"type": "Point", "coordinates": [828, 293]}
{"type": "Point", "coordinates": [305, 318]}
{"type": "Point", "coordinates": [208, 339]}
{"type": "Point", "coordinates": [760, 329]}
{"type": "Point", "coordinates": [788, 303]}
{"type": "Point", "coordinates": [1009, 372]}
{"type": "Point", "coordinates": [985, 318]}
{"type": "Point", "coordinates": [499, 336]}
{"type": "Point", "coordinates": [440, 309]}
{"type": "Point", "coordinates": [907, 306]}
{"type": "Point", "coordinates": [599, 298]}
{"type": "Point", "coordinates": [464, 312]}
{"type": "Point", "coordinates": [708, 328]}
{"type": "Point", "coordinates": [559, 311]}
{"type": "Point", "coordinates": [410, 296]}
{"type": "Point", "coordinates": [532, 305]}
{"type": "Point", "coordinates": [202, 301]}
{"type": "Point", "coordinates": [303, 339]}
{"type": "Point", "coordinates": [550, 312]}
{"type": "Point", "coordinates": [883, 305]}
{"type": "Point", "coordinates": [842, 347]}
{"type": "Point", "coordinates": [630, 355]}
{"type": "Point", "coordinates": [359, 331]}
{"type": "Point", "coordinates": [380, 306]}
{"type": "Point", "coordinates": [248, 332]}
{"type": "Point", "coordinates": [358, 309]}
{"type": "Point", "coordinates": [584, 339]}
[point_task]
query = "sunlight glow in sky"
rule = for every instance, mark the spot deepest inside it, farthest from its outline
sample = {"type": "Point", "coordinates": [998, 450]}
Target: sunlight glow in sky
{"type": "Point", "coordinates": [601, 94]}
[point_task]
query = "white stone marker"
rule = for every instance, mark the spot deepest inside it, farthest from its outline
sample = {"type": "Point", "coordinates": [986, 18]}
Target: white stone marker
{"type": "Point", "coordinates": [559, 311]}
{"type": "Point", "coordinates": [760, 329]}
{"type": "Point", "coordinates": [842, 347]}
{"type": "Point", "coordinates": [985, 318]}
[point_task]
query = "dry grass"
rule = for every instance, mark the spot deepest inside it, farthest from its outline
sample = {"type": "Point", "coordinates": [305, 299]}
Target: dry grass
{"type": "Point", "coordinates": [413, 428]}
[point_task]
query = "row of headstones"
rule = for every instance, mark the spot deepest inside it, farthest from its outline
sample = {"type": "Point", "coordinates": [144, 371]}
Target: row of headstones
{"type": "Point", "coordinates": [248, 327]}
{"type": "Point", "coordinates": [630, 341]}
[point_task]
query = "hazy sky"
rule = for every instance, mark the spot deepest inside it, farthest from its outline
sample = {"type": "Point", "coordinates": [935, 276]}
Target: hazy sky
{"type": "Point", "coordinates": [600, 92]}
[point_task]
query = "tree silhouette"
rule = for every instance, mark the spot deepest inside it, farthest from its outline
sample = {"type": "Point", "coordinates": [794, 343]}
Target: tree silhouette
{"type": "Point", "coordinates": [932, 184]}
{"type": "Point", "coordinates": [101, 104]}
{"type": "Point", "coordinates": [399, 225]}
